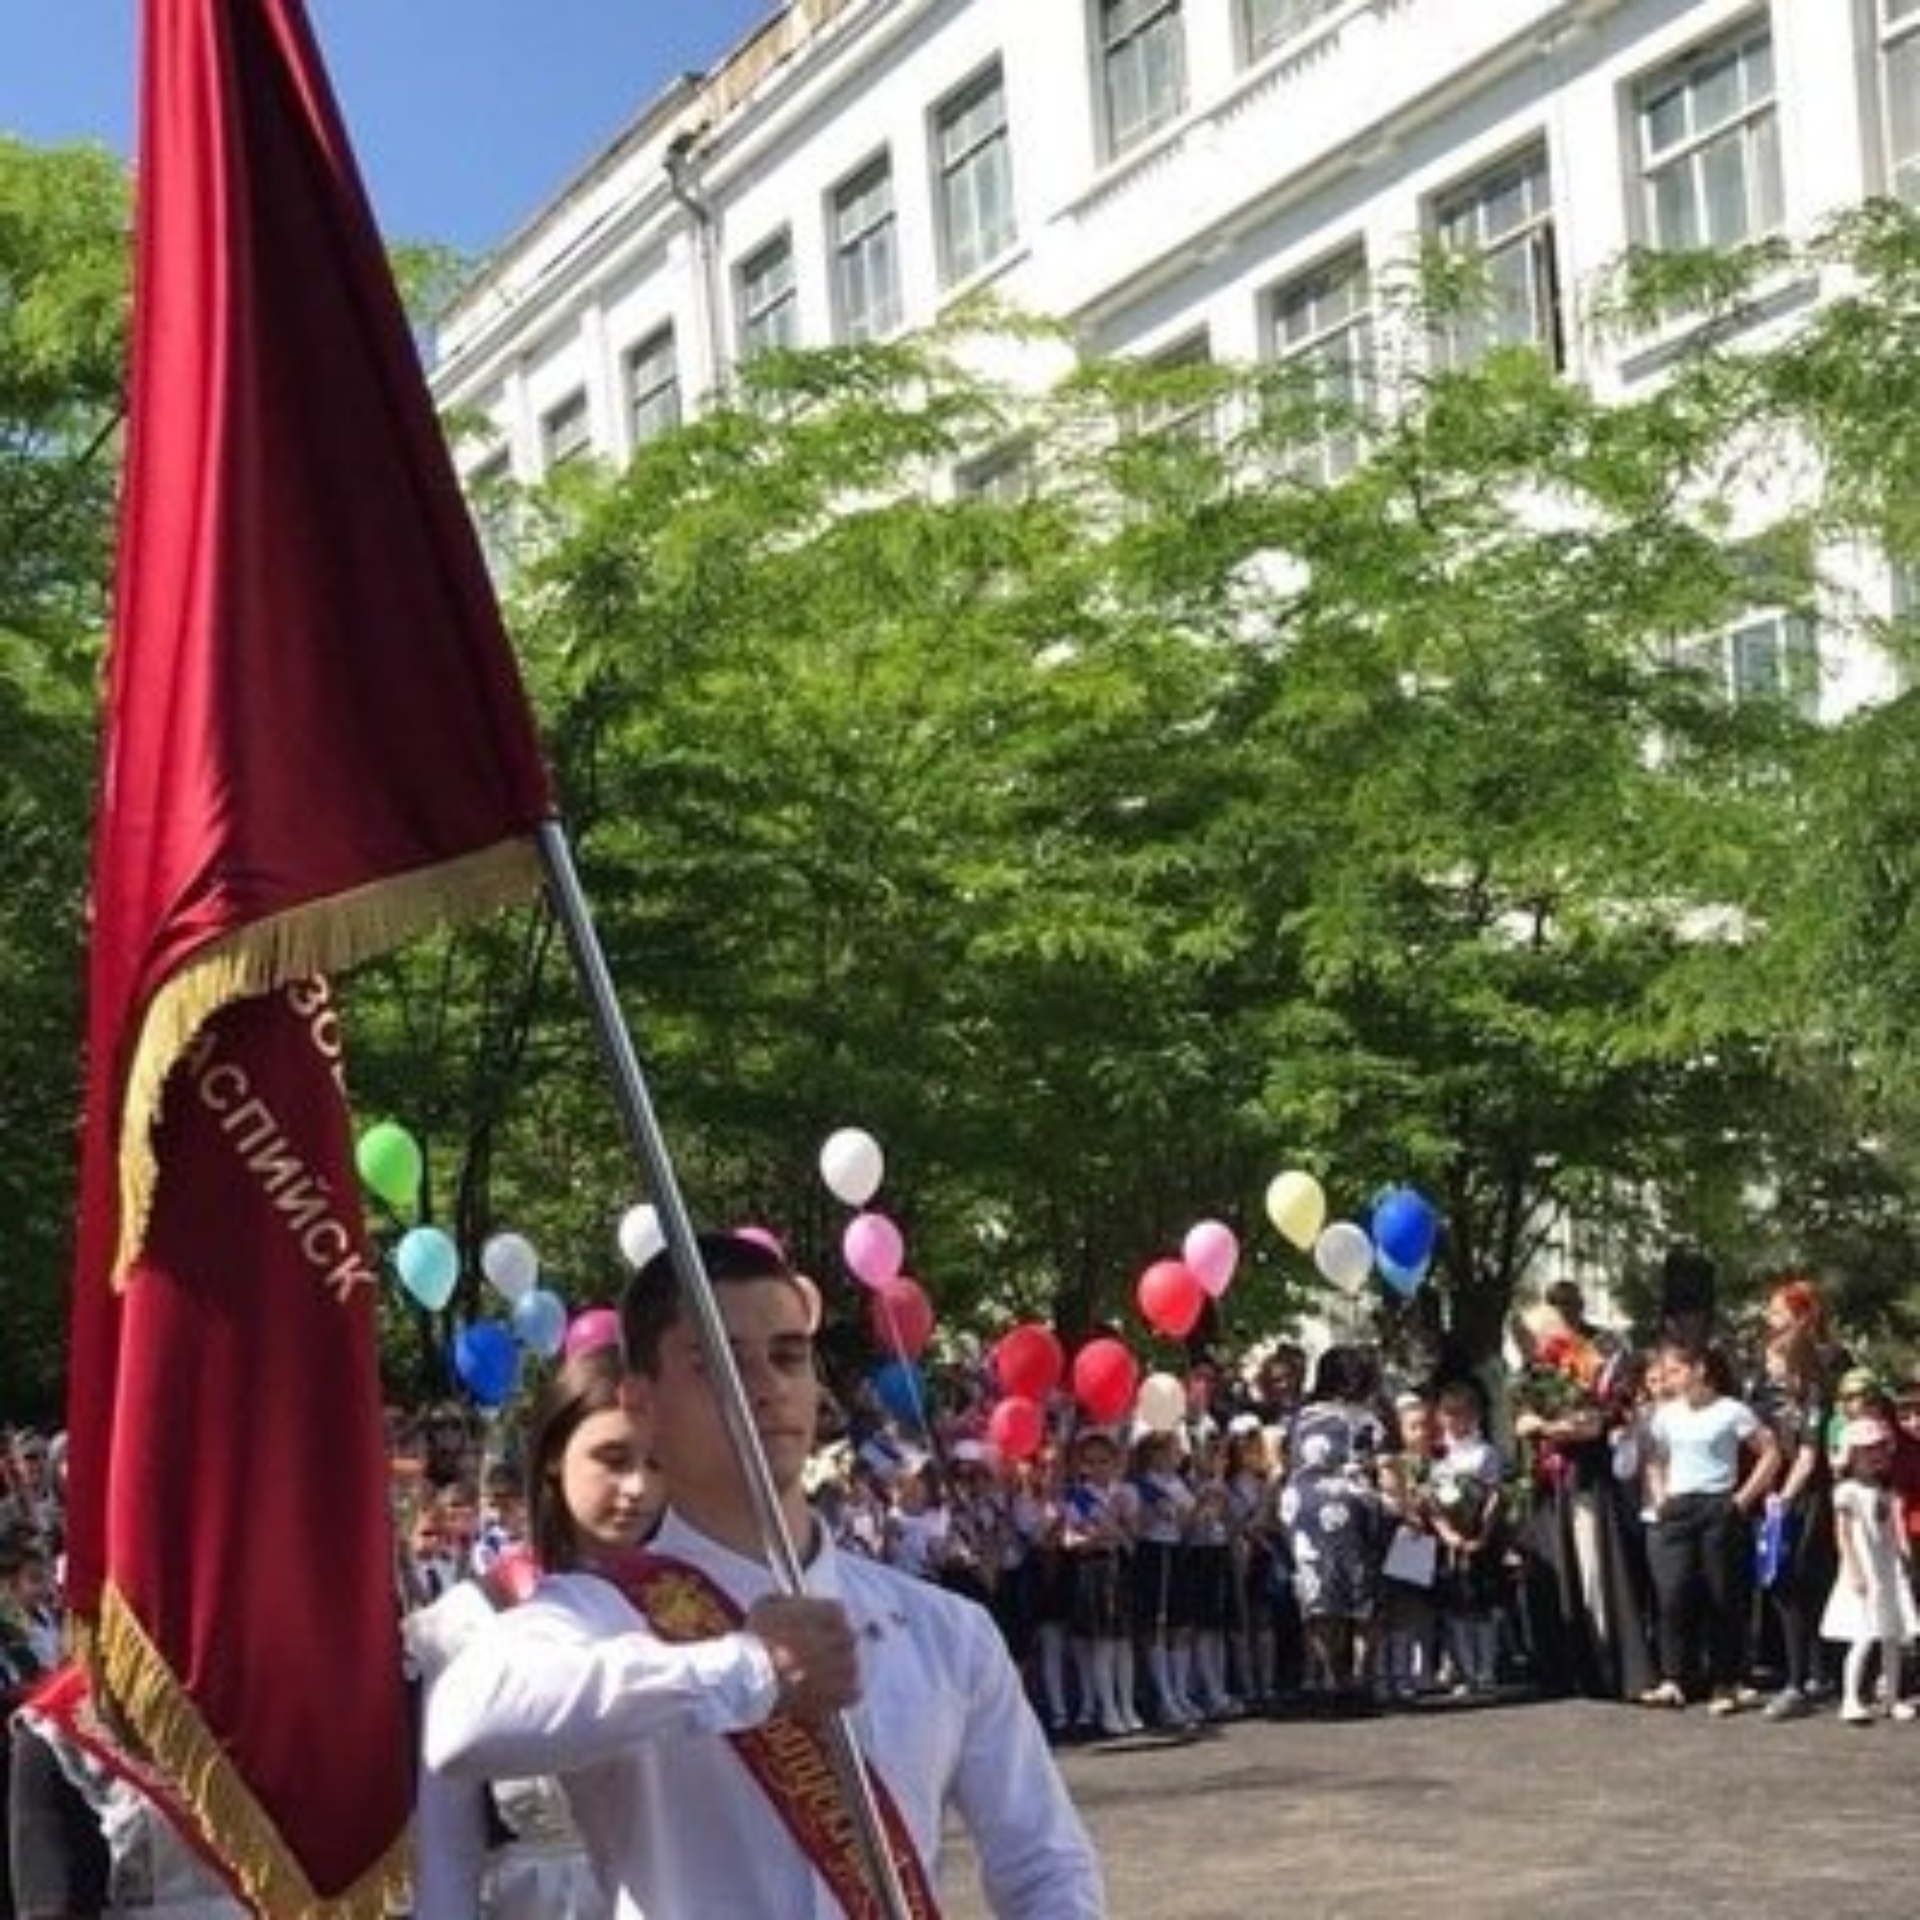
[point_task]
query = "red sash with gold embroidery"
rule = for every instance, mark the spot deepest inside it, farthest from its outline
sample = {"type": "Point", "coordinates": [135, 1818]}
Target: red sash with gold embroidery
{"type": "Point", "coordinates": [787, 1756]}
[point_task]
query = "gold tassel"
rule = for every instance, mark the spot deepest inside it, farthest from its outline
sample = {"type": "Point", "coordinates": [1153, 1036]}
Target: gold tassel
{"type": "Point", "coordinates": [324, 936]}
{"type": "Point", "coordinates": [134, 1684]}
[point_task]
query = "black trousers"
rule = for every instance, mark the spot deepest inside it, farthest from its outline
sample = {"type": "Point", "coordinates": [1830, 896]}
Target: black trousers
{"type": "Point", "coordinates": [1700, 1555]}
{"type": "Point", "coordinates": [60, 1860]}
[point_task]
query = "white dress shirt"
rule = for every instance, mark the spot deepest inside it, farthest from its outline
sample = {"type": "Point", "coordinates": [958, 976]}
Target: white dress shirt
{"type": "Point", "coordinates": [573, 1682]}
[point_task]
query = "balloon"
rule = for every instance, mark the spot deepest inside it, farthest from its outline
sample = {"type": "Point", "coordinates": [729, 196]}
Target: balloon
{"type": "Point", "coordinates": [509, 1261]}
{"type": "Point", "coordinates": [897, 1385]}
{"type": "Point", "coordinates": [852, 1165]}
{"type": "Point", "coordinates": [1015, 1426]}
{"type": "Point", "coordinates": [1161, 1403]}
{"type": "Point", "coordinates": [1105, 1376]}
{"type": "Point", "coordinates": [1171, 1298]}
{"type": "Point", "coordinates": [901, 1316]}
{"type": "Point", "coordinates": [428, 1264]}
{"type": "Point", "coordinates": [540, 1319]}
{"type": "Point", "coordinates": [589, 1330]}
{"type": "Point", "coordinates": [1028, 1362]}
{"type": "Point", "coordinates": [1212, 1252]}
{"type": "Point", "coordinates": [1405, 1227]}
{"type": "Point", "coordinates": [1405, 1281]}
{"type": "Point", "coordinates": [640, 1235]}
{"type": "Point", "coordinates": [389, 1160]}
{"type": "Point", "coordinates": [1297, 1206]}
{"type": "Point", "coordinates": [873, 1249]}
{"type": "Point", "coordinates": [487, 1361]}
{"type": "Point", "coordinates": [1344, 1255]}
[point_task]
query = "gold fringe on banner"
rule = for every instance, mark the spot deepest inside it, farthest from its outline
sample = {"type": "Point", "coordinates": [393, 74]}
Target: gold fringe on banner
{"type": "Point", "coordinates": [325, 936]}
{"type": "Point", "coordinates": [135, 1686]}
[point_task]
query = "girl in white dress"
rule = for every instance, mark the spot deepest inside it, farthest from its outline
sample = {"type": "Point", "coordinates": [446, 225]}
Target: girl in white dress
{"type": "Point", "coordinates": [1871, 1606]}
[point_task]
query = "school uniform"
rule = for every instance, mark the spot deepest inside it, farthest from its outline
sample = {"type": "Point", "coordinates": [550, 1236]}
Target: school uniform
{"type": "Point", "coordinates": [575, 1681]}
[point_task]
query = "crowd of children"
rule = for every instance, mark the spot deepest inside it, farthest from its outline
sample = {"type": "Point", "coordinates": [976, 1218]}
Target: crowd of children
{"type": "Point", "coordinates": [1655, 1527]}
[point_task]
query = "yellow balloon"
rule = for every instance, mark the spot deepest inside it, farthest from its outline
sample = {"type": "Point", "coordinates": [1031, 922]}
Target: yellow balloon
{"type": "Point", "coordinates": [1297, 1206]}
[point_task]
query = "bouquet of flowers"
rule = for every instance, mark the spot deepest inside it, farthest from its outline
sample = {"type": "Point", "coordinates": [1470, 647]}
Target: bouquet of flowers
{"type": "Point", "coordinates": [1562, 1377]}
{"type": "Point", "coordinates": [1458, 1497]}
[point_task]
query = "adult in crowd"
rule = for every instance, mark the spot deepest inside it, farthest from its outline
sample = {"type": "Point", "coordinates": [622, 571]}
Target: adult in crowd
{"type": "Point", "coordinates": [1713, 1462]}
{"type": "Point", "coordinates": [1796, 1563]}
{"type": "Point", "coordinates": [1335, 1520]}
{"type": "Point", "coordinates": [1585, 1599]}
{"type": "Point", "coordinates": [678, 1703]}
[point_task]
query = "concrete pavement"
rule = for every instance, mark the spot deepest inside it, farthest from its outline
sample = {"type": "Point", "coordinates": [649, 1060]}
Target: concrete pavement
{"type": "Point", "coordinates": [1573, 1810]}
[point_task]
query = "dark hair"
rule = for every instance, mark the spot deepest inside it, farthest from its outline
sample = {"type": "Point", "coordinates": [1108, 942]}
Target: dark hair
{"type": "Point", "coordinates": [651, 1303]}
{"type": "Point", "coordinates": [587, 1384]}
{"type": "Point", "coordinates": [1346, 1373]}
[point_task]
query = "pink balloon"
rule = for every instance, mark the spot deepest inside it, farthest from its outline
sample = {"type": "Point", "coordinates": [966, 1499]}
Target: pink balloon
{"type": "Point", "coordinates": [763, 1237]}
{"type": "Point", "coordinates": [1212, 1252]}
{"type": "Point", "coordinates": [902, 1316]}
{"type": "Point", "coordinates": [590, 1330]}
{"type": "Point", "coordinates": [1015, 1426]}
{"type": "Point", "coordinates": [873, 1249]}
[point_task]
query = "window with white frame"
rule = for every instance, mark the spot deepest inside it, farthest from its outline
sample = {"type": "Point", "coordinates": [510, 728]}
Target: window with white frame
{"type": "Point", "coordinates": [1709, 140]}
{"type": "Point", "coordinates": [866, 253]}
{"type": "Point", "coordinates": [653, 387]}
{"type": "Point", "coordinates": [973, 162]}
{"type": "Point", "coordinates": [1180, 415]}
{"type": "Point", "coordinates": [1502, 219]}
{"type": "Point", "coordinates": [565, 431]}
{"type": "Point", "coordinates": [1773, 655]}
{"type": "Point", "coordinates": [1322, 324]}
{"type": "Point", "coordinates": [769, 301]}
{"type": "Point", "coordinates": [1900, 96]}
{"type": "Point", "coordinates": [1264, 24]}
{"type": "Point", "coordinates": [1143, 68]}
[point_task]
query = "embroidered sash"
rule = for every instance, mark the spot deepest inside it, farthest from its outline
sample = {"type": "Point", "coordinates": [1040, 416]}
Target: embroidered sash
{"type": "Point", "coordinates": [787, 1757]}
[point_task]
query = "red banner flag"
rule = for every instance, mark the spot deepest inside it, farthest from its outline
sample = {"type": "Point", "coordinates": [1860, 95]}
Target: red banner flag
{"type": "Point", "coordinates": [316, 744]}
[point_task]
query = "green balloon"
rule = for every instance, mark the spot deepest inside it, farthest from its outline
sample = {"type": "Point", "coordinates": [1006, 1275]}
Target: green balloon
{"type": "Point", "coordinates": [388, 1157]}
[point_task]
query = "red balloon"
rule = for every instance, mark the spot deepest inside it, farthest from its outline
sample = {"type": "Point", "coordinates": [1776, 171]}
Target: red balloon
{"type": "Point", "coordinates": [1105, 1376]}
{"type": "Point", "coordinates": [1171, 1297]}
{"type": "Point", "coordinates": [1028, 1362]}
{"type": "Point", "coordinates": [901, 1316]}
{"type": "Point", "coordinates": [1015, 1426]}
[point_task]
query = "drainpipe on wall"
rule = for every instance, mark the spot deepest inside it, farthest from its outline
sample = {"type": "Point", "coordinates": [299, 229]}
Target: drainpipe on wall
{"type": "Point", "coordinates": [683, 183]}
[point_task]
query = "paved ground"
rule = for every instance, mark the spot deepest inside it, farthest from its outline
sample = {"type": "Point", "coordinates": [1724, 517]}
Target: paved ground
{"type": "Point", "coordinates": [1560, 1811]}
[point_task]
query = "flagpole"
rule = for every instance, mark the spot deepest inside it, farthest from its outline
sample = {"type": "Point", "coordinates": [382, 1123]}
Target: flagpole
{"type": "Point", "coordinates": [663, 1187]}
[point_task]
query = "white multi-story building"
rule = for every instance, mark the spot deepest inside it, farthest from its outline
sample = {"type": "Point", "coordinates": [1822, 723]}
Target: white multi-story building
{"type": "Point", "coordinates": [1175, 178]}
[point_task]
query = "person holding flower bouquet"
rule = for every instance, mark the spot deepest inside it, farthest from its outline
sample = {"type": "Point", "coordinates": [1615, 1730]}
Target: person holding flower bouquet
{"type": "Point", "coordinates": [1585, 1610]}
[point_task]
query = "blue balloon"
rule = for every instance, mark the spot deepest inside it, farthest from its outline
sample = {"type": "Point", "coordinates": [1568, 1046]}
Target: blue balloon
{"type": "Point", "coordinates": [428, 1264]}
{"type": "Point", "coordinates": [487, 1361]}
{"type": "Point", "coordinates": [540, 1319]}
{"type": "Point", "coordinates": [897, 1385]}
{"type": "Point", "coordinates": [1405, 1228]}
{"type": "Point", "coordinates": [1405, 1281]}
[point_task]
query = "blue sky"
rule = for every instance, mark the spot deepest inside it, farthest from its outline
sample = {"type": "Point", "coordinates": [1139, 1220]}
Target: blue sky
{"type": "Point", "coordinates": [467, 115]}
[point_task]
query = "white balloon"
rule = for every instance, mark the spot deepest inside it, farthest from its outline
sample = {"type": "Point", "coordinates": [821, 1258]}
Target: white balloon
{"type": "Point", "coordinates": [640, 1235]}
{"type": "Point", "coordinates": [509, 1261]}
{"type": "Point", "coordinates": [1344, 1254]}
{"type": "Point", "coordinates": [852, 1165]}
{"type": "Point", "coordinates": [1161, 1403]}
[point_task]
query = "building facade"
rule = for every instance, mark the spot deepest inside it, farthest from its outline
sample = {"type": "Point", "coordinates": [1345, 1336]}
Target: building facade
{"type": "Point", "coordinates": [1186, 179]}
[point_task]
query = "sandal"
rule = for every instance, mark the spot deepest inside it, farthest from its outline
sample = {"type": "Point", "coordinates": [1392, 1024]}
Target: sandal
{"type": "Point", "coordinates": [1666, 1694]}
